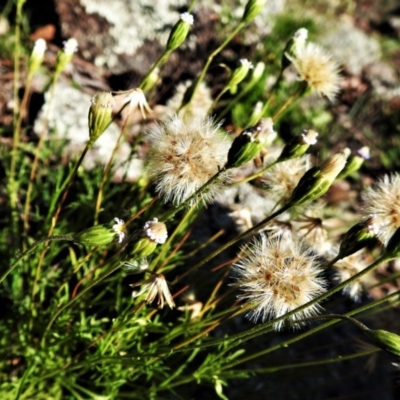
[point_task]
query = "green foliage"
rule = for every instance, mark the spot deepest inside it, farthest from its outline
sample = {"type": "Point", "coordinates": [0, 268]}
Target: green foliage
{"type": "Point", "coordinates": [84, 315]}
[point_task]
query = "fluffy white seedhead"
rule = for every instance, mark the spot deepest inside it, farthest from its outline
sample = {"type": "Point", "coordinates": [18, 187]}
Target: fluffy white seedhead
{"type": "Point", "coordinates": [199, 105]}
{"type": "Point", "coordinates": [284, 177]}
{"type": "Point", "coordinates": [184, 155]}
{"type": "Point", "coordinates": [350, 266]}
{"type": "Point", "coordinates": [383, 201]}
{"type": "Point", "coordinates": [316, 67]}
{"type": "Point", "coordinates": [313, 226]}
{"type": "Point", "coordinates": [276, 276]}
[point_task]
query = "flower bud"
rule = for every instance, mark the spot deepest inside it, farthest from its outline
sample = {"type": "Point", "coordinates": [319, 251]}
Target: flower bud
{"type": "Point", "coordinates": [359, 236]}
{"type": "Point", "coordinates": [179, 31]}
{"type": "Point", "coordinates": [37, 56]}
{"type": "Point", "coordinates": [298, 145]}
{"type": "Point", "coordinates": [239, 74]}
{"type": "Point", "coordinates": [392, 249]}
{"type": "Point", "coordinates": [295, 43]}
{"type": "Point", "coordinates": [154, 232]}
{"type": "Point", "coordinates": [252, 9]}
{"type": "Point", "coordinates": [143, 248]}
{"type": "Point", "coordinates": [64, 56]}
{"type": "Point", "coordinates": [151, 81]}
{"type": "Point", "coordinates": [99, 235]}
{"type": "Point", "coordinates": [100, 115]}
{"type": "Point", "coordinates": [316, 181]}
{"type": "Point", "coordinates": [249, 143]}
{"type": "Point", "coordinates": [385, 340]}
{"type": "Point", "coordinates": [258, 72]}
{"type": "Point", "coordinates": [354, 162]}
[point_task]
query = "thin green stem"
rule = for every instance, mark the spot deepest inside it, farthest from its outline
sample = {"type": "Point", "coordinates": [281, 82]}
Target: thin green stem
{"type": "Point", "coordinates": [12, 181]}
{"type": "Point", "coordinates": [32, 249]}
{"type": "Point", "coordinates": [209, 61]}
{"type": "Point", "coordinates": [271, 370]}
{"type": "Point", "coordinates": [337, 316]}
{"type": "Point", "coordinates": [291, 99]}
{"type": "Point", "coordinates": [236, 100]}
{"type": "Point", "coordinates": [162, 59]}
{"type": "Point", "coordinates": [264, 110]}
{"type": "Point", "coordinates": [216, 100]}
{"type": "Point", "coordinates": [171, 213]}
{"type": "Point", "coordinates": [64, 189]}
{"type": "Point", "coordinates": [22, 381]}
{"type": "Point", "coordinates": [256, 175]}
{"type": "Point", "coordinates": [107, 169]}
{"type": "Point", "coordinates": [37, 156]}
{"type": "Point", "coordinates": [309, 333]}
{"type": "Point", "coordinates": [231, 242]}
{"type": "Point", "coordinates": [166, 247]}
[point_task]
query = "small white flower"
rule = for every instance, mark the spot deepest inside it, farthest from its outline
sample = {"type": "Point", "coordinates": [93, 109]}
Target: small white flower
{"type": "Point", "coordinates": [155, 286]}
{"type": "Point", "coordinates": [70, 46]}
{"type": "Point", "coordinates": [187, 17]}
{"type": "Point", "coordinates": [120, 229]}
{"type": "Point", "coordinates": [246, 63]}
{"type": "Point", "coordinates": [156, 231]}
{"type": "Point", "coordinates": [39, 48]}
{"type": "Point", "coordinates": [309, 137]}
{"type": "Point", "coordinates": [136, 99]}
{"type": "Point", "coordinates": [364, 152]}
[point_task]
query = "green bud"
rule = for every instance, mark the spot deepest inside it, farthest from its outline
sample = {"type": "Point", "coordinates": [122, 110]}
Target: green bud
{"type": "Point", "coordinates": [99, 235]}
{"type": "Point", "coordinates": [316, 181]}
{"type": "Point", "coordinates": [359, 236]}
{"type": "Point", "coordinates": [257, 72]}
{"type": "Point", "coordinates": [298, 145]}
{"type": "Point", "coordinates": [37, 56]}
{"type": "Point", "coordinates": [248, 144]}
{"type": "Point", "coordinates": [252, 9]}
{"type": "Point", "coordinates": [100, 115]}
{"type": "Point", "coordinates": [392, 249]}
{"type": "Point", "coordinates": [385, 340]}
{"type": "Point", "coordinates": [296, 42]}
{"type": "Point", "coordinates": [143, 248]}
{"type": "Point", "coordinates": [64, 56]}
{"type": "Point", "coordinates": [354, 162]}
{"type": "Point", "coordinates": [151, 81]}
{"type": "Point", "coordinates": [239, 74]}
{"type": "Point", "coordinates": [154, 232]}
{"type": "Point", "coordinates": [179, 31]}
